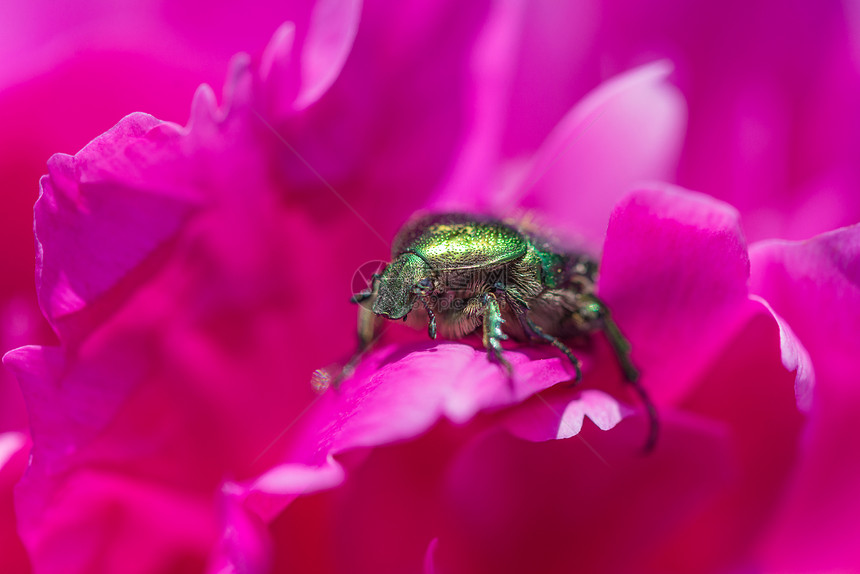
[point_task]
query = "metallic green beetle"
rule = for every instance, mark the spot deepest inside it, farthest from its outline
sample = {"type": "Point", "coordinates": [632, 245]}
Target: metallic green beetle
{"type": "Point", "coordinates": [458, 272]}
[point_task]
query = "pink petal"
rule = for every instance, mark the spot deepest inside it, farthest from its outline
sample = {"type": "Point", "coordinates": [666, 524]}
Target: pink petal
{"type": "Point", "coordinates": [102, 61]}
{"type": "Point", "coordinates": [88, 235]}
{"type": "Point", "coordinates": [401, 391]}
{"type": "Point", "coordinates": [795, 359]}
{"type": "Point", "coordinates": [211, 196]}
{"type": "Point", "coordinates": [20, 323]}
{"type": "Point", "coordinates": [245, 544]}
{"type": "Point", "coordinates": [593, 505]}
{"type": "Point", "coordinates": [392, 494]}
{"type": "Point", "coordinates": [14, 452]}
{"type": "Point", "coordinates": [10, 444]}
{"type": "Point", "coordinates": [627, 131]}
{"type": "Point", "coordinates": [388, 128]}
{"type": "Point", "coordinates": [429, 566]}
{"type": "Point", "coordinates": [775, 139]}
{"type": "Point", "coordinates": [555, 68]}
{"type": "Point", "coordinates": [398, 393]}
{"type": "Point", "coordinates": [674, 274]}
{"type": "Point", "coordinates": [306, 54]}
{"type": "Point", "coordinates": [815, 287]}
{"type": "Point", "coordinates": [748, 389]}
{"type": "Point", "coordinates": [268, 494]}
{"type": "Point", "coordinates": [500, 504]}
{"type": "Point", "coordinates": [121, 465]}
{"type": "Point", "coordinates": [491, 79]}
{"type": "Point", "coordinates": [122, 524]}
{"type": "Point", "coordinates": [195, 38]}
{"type": "Point", "coordinates": [63, 418]}
{"type": "Point", "coordinates": [558, 417]}
{"type": "Point", "coordinates": [789, 132]}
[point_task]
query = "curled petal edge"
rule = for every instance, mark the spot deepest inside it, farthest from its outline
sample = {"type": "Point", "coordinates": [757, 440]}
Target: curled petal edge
{"type": "Point", "coordinates": [795, 358]}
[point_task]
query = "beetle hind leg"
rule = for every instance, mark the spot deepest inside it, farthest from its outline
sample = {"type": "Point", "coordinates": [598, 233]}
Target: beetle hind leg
{"type": "Point", "coordinates": [555, 342]}
{"type": "Point", "coordinates": [621, 346]}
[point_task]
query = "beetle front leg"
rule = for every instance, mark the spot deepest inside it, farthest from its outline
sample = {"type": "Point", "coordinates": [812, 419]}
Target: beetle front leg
{"type": "Point", "coordinates": [368, 321]}
{"type": "Point", "coordinates": [431, 327]}
{"type": "Point", "coordinates": [493, 335]}
{"type": "Point", "coordinates": [367, 330]}
{"type": "Point", "coordinates": [369, 292]}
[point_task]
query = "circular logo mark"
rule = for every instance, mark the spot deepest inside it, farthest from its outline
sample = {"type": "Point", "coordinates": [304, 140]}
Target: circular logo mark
{"type": "Point", "coordinates": [362, 280]}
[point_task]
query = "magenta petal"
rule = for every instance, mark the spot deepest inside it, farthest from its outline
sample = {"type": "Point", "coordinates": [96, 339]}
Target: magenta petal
{"type": "Point", "coordinates": [429, 566]}
{"type": "Point", "coordinates": [795, 359]}
{"type": "Point", "coordinates": [674, 273]}
{"type": "Point", "coordinates": [559, 417]}
{"type": "Point", "coordinates": [63, 417]}
{"type": "Point", "coordinates": [572, 505]}
{"type": "Point", "coordinates": [628, 130]}
{"type": "Point", "coordinates": [14, 452]}
{"type": "Point", "coordinates": [95, 220]}
{"type": "Point", "coordinates": [395, 396]}
{"type": "Point", "coordinates": [500, 504]}
{"type": "Point", "coordinates": [245, 547]}
{"type": "Point", "coordinates": [279, 68]}
{"type": "Point", "coordinates": [272, 491]}
{"type": "Point", "coordinates": [747, 388]}
{"type": "Point", "coordinates": [20, 323]}
{"type": "Point", "coordinates": [300, 478]}
{"type": "Point", "coordinates": [815, 286]}
{"type": "Point", "coordinates": [382, 519]}
{"type": "Point", "coordinates": [398, 393]}
{"type": "Point", "coordinates": [305, 56]}
{"type": "Point", "coordinates": [124, 524]}
{"type": "Point", "coordinates": [10, 444]}
{"type": "Point", "coordinates": [333, 26]}
{"type": "Point", "coordinates": [477, 162]}
{"type": "Point", "coordinates": [408, 114]}
{"type": "Point", "coordinates": [109, 468]}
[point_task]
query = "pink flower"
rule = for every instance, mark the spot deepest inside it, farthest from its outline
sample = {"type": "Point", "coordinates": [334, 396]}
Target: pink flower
{"type": "Point", "coordinates": [196, 276]}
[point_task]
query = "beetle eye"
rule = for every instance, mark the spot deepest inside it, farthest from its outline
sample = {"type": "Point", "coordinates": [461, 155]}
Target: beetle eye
{"type": "Point", "coordinates": [424, 285]}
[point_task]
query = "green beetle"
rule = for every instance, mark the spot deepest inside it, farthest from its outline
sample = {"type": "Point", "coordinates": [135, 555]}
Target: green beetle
{"type": "Point", "coordinates": [457, 273]}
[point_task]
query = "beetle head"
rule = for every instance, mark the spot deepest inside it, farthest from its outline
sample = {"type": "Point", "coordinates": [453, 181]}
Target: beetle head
{"type": "Point", "coordinates": [402, 282]}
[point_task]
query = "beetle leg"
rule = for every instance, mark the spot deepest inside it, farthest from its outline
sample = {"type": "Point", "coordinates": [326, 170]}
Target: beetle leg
{"type": "Point", "coordinates": [512, 296]}
{"type": "Point", "coordinates": [555, 342]}
{"type": "Point", "coordinates": [620, 344]}
{"type": "Point", "coordinates": [493, 335]}
{"type": "Point", "coordinates": [431, 328]}
{"type": "Point", "coordinates": [621, 347]}
{"type": "Point", "coordinates": [367, 293]}
{"type": "Point", "coordinates": [367, 331]}
{"type": "Point", "coordinates": [367, 319]}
